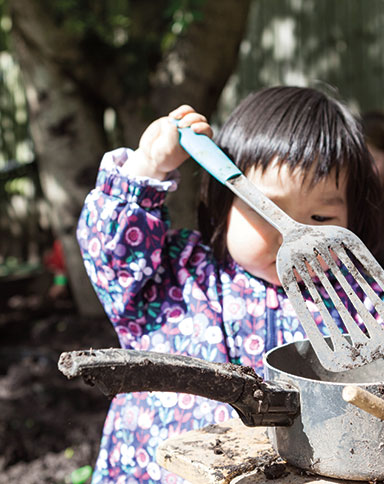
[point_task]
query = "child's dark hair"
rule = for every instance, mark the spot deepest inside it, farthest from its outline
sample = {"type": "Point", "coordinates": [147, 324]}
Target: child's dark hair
{"type": "Point", "coordinates": [299, 126]}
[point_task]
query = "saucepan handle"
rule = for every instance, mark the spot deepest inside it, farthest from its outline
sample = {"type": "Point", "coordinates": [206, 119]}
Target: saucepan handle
{"type": "Point", "coordinates": [116, 371]}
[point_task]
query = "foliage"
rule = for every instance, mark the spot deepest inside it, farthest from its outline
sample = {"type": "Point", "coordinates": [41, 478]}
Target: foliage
{"type": "Point", "coordinates": [114, 21]}
{"type": "Point", "coordinates": [137, 32]}
{"type": "Point", "coordinates": [5, 26]}
{"type": "Point", "coordinates": [24, 223]}
{"type": "Point", "coordinates": [15, 142]}
{"type": "Point", "coordinates": [20, 192]}
{"type": "Point", "coordinates": [133, 32]}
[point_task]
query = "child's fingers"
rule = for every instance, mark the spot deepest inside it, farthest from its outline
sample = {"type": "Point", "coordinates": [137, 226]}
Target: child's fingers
{"type": "Point", "coordinates": [202, 128]}
{"type": "Point", "coordinates": [192, 119]}
{"type": "Point", "coordinates": [181, 111]}
{"type": "Point", "coordinates": [187, 116]}
{"type": "Point", "coordinates": [197, 122]}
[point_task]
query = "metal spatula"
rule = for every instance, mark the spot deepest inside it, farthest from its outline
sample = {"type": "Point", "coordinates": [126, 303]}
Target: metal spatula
{"type": "Point", "coordinates": [301, 251]}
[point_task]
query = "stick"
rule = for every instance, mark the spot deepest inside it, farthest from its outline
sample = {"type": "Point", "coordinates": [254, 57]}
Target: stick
{"type": "Point", "coordinates": [365, 400]}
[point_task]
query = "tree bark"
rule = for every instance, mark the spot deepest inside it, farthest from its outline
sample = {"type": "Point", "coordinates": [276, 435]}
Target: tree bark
{"type": "Point", "coordinates": [68, 91]}
{"type": "Point", "coordinates": [66, 131]}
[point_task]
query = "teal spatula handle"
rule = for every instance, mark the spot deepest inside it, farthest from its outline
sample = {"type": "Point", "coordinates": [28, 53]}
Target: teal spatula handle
{"type": "Point", "coordinates": [208, 155]}
{"type": "Point", "coordinates": [219, 165]}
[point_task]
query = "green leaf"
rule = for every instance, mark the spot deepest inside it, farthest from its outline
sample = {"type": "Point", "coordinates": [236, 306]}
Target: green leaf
{"type": "Point", "coordinates": [81, 475]}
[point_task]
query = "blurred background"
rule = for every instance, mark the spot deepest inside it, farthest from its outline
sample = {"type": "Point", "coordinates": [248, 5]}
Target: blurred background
{"type": "Point", "coordinates": [80, 77]}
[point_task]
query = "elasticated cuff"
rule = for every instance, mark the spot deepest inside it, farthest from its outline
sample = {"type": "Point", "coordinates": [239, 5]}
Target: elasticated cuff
{"type": "Point", "coordinates": [146, 192]}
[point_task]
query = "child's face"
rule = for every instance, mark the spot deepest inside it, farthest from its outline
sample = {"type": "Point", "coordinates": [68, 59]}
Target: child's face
{"type": "Point", "coordinates": [253, 243]}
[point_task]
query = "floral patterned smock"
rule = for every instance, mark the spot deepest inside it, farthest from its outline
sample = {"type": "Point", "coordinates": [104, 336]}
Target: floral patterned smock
{"type": "Point", "coordinates": [164, 291]}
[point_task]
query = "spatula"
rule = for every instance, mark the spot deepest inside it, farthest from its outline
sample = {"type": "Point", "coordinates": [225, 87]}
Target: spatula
{"type": "Point", "coordinates": [299, 255]}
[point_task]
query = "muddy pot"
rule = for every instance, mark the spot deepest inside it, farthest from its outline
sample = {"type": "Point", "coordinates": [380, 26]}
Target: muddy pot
{"type": "Point", "coordinates": [311, 426]}
{"type": "Point", "coordinates": [329, 437]}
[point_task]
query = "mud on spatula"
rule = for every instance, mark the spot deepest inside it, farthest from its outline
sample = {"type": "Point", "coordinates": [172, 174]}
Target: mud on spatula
{"type": "Point", "coordinates": [300, 253]}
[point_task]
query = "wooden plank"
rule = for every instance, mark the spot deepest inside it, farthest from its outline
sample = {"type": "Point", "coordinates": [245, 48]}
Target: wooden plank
{"type": "Point", "coordinates": [230, 453]}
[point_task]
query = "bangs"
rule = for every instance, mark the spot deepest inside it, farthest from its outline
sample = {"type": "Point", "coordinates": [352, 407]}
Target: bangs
{"type": "Point", "coordinates": [303, 129]}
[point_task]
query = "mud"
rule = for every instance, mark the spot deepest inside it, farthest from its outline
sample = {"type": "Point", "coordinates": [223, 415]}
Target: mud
{"type": "Point", "coordinates": [49, 426]}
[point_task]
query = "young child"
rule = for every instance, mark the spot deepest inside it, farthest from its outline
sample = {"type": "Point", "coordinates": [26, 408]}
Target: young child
{"type": "Point", "coordinates": [214, 293]}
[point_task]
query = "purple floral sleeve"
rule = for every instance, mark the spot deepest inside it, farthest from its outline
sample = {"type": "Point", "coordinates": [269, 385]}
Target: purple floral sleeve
{"type": "Point", "coordinates": [121, 233]}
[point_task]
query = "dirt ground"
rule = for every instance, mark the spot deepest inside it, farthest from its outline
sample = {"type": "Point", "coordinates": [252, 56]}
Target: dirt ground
{"type": "Point", "coordinates": [49, 426]}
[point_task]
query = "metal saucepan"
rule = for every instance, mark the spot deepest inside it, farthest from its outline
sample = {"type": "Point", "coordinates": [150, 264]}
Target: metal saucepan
{"type": "Point", "coordinates": [330, 436]}
{"type": "Point", "coordinates": [311, 425]}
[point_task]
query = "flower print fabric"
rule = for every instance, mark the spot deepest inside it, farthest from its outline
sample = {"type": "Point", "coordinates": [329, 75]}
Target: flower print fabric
{"type": "Point", "coordinates": [164, 291]}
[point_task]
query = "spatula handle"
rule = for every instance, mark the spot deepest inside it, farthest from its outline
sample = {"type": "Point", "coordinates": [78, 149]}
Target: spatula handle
{"type": "Point", "coordinates": [208, 155]}
{"type": "Point", "coordinates": [203, 150]}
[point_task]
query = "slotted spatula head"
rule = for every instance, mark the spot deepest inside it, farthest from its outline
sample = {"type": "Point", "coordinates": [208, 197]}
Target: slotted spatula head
{"type": "Point", "coordinates": [304, 256]}
{"type": "Point", "coordinates": [307, 256]}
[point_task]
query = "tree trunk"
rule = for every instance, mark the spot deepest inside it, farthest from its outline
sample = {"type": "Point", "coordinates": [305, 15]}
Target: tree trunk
{"type": "Point", "coordinates": [66, 131]}
{"type": "Point", "coordinates": [68, 91]}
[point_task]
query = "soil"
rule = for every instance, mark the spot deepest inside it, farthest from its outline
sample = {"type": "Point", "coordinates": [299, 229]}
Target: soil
{"type": "Point", "coordinates": [49, 425]}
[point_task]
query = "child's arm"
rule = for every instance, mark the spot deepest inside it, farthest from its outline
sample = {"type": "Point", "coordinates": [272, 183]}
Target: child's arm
{"type": "Point", "coordinates": [159, 151]}
{"type": "Point", "coordinates": [123, 226]}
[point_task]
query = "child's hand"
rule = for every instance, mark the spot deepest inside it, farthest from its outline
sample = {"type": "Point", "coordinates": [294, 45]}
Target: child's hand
{"type": "Point", "coordinates": [159, 150]}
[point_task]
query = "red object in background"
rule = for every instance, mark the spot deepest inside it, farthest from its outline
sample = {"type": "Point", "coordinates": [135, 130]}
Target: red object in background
{"type": "Point", "coordinates": [54, 259]}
